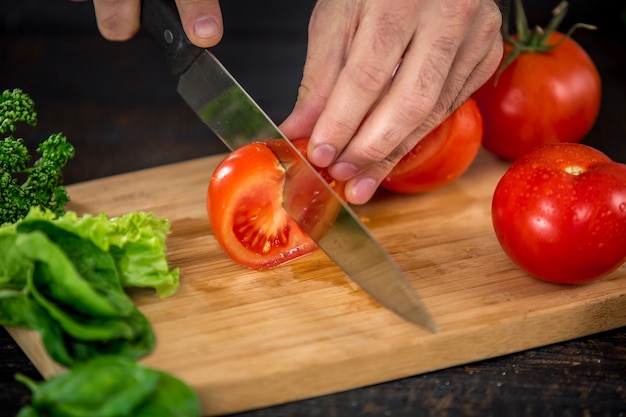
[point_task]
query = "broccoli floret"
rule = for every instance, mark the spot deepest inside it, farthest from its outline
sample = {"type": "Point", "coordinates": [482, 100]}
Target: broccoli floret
{"type": "Point", "coordinates": [23, 186]}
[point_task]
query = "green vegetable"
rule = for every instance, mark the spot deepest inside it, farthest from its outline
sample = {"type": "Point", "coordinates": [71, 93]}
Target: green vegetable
{"type": "Point", "coordinates": [111, 386]}
{"type": "Point", "coordinates": [18, 309]}
{"type": "Point", "coordinates": [23, 186]}
{"type": "Point", "coordinates": [137, 242]}
{"type": "Point", "coordinates": [84, 276]}
{"type": "Point", "coordinates": [62, 277]}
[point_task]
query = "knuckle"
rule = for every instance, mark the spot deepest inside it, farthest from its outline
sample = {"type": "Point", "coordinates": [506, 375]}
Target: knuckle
{"type": "Point", "coordinates": [491, 23]}
{"type": "Point", "coordinates": [311, 91]}
{"type": "Point", "coordinates": [386, 149]}
{"type": "Point", "coordinates": [389, 33]}
{"type": "Point", "coordinates": [485, 15]}
{"type": "Point", "coordinates": [117, 19]}
{"type": "Point", "coordinates": [369, 78]}
{"type": "Point", "coordinates": [388, 36]}
{"type": "Point", "coordinates": [112, 28]}
{"type": "Point", "coordinates": [341, 128]}
{"type": "Point", "coordinates": [493, 16]}
{"type": "Point", "coordinates": [417, 102]}
{"type": "Point", "coordinates": [413, 108]}
{"type": "Point", "coordinates": [372, 154]}
{"type": "Point", "coordinates": [459, 14]}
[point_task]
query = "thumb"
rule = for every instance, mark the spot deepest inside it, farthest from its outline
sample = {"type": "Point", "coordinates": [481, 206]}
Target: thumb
{"type": "Point", "coordinates": [202, 21]}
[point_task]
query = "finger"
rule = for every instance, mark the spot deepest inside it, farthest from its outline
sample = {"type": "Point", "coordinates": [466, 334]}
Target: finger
{"type": "Point", "coordinates": [476, 60]}
{"type": "Point", "coordinates": [330, 28]}
{"type": "Point", "coordinates": [361, 188]}
{"type": "Point", "coordinates": [483, 71]}
{"type": "Point", "coordinates": [412, 96]}
{"type": "Point", "coordinates": [118, 20]}
{"type": "Point", "coordinates": [379, 42]}
{"type": "Point", "coordinates": [202, 21]}
{"type": "Point", "coordinates": [441, 68]}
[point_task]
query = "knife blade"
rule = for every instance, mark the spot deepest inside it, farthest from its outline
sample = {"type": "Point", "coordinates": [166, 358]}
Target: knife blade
{"type": "Point", "coordinates": [221, 103]}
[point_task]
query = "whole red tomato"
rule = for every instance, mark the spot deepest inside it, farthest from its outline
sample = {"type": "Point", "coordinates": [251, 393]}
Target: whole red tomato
{"type": "Point", "coordinates": [441, 156]}
{"type": "Point", "coordinates": [244, 204]}
{"type": "Point", "coordinates": [559, 213]}
{"type": "Point", "coordinates": [540, 98]}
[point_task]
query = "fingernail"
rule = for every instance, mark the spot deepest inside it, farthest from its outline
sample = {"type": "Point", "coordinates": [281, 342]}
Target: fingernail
{"type": "Point", "coordinates": [206, 27]}
{"type": "Point", "coordinates": [361, 191]}
{"type": "Point", "coordinates": [343, 171]}
{"type": "Point", "coordinates": [323, 155]}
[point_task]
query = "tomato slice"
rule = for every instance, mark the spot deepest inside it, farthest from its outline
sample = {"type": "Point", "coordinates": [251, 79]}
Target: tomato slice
{"type": "Point", "coordinates": [244, 203]}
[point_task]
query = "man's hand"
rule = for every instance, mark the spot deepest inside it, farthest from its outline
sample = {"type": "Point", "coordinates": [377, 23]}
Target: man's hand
{"type": "Point", "coordinates": [119, 20]}
{"type": "Point", "coordinates": [380, 75]}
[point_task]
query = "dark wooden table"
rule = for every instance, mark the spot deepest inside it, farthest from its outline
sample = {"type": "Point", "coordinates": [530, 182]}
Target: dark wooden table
{"type": "Point", "coordinates": [117, 104]}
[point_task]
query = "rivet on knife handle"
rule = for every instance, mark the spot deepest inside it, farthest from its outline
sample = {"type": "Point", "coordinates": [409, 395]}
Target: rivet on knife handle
{"type": "Point", "coordinates": [161, 19]}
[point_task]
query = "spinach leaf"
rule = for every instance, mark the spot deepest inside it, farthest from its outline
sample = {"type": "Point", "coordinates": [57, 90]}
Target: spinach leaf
{"type": "Point", "coordinates": [78, 325]}
{"type": "Point", "coordinates": [65, 278]}
{"type": "Point", "coordinates": [76, 321]}
{"type": "Point", "coordinates": [111, 386]}
{"type": "Point", "coordinates": [103, 387]}
{"type": "Point", "coordinates": [172, 398]}
{"type": "Point", "coordinates": [139, 345]}
{"type": "Point", "coordinates": [94, 266]}
{"type": "Point", "coordinates": [69, 287]}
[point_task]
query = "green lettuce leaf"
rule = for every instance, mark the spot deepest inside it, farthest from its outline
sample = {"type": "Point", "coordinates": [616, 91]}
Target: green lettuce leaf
{"type": "Point", "coordinates": [62, 276]}
{"type": "Point", "coordinates": [136, 240]}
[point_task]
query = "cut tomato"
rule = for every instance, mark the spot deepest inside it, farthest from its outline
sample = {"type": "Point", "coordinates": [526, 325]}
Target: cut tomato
{"type": "Point", "coordinates": [244, 203]}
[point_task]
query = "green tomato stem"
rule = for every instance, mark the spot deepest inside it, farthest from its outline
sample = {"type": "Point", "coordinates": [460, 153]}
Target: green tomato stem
{"type": "Point", "coordinates": [533, 41]}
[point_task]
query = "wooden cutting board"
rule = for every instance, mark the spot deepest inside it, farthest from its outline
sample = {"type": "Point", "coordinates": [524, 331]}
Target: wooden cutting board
{"type": "Point", "coordinates": [245, 339]}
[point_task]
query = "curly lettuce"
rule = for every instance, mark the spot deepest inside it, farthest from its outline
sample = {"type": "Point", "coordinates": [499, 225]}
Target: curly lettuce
{"type": "Point", "coordinates": [136, 241]}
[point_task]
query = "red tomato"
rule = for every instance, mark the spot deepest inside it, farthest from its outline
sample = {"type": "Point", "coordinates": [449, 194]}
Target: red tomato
{"type": "Point", "coordinates": [244, 203]}
{"type": "Point", "coordinates": [559, 213]}
{"type": "Point", "coordinates": [442, 156]}
{"type": "Point", "coordinates": [540, 98]}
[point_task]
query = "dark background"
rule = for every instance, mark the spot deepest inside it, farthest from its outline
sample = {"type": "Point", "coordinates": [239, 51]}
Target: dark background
{"type": "Point", "coordinates": [117, 103]}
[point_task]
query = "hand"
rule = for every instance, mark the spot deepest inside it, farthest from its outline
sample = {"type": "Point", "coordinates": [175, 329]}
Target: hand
{"type": "Point", "coordinates": [380, 75]}
{"type": "Point", "coordinates": [119, 20]}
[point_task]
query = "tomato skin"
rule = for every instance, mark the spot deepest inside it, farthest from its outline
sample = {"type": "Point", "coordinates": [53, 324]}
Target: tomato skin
{"type": "Point", "coordinates": [540, 98]}
{"type": "Point", "coordinates": [441, 156]}
{"type": "Point", "coordinates": [558, 226]}
{"type": "Point", "coordinates": [244, 206]}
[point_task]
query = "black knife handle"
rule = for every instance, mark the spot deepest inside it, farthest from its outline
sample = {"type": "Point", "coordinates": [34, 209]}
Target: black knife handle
{"type": "Point", "coordinates": [161, 19]}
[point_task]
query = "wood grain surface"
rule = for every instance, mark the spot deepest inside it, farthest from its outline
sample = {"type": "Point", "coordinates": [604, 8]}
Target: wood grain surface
{"type": "Point", "coordinates": [246, 339]}
{"type": "Point", "coordinates": [118, 104]}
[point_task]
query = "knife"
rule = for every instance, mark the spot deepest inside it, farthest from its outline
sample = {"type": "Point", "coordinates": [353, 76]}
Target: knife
{"type": "Point", "coordinates": [221, 103]}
